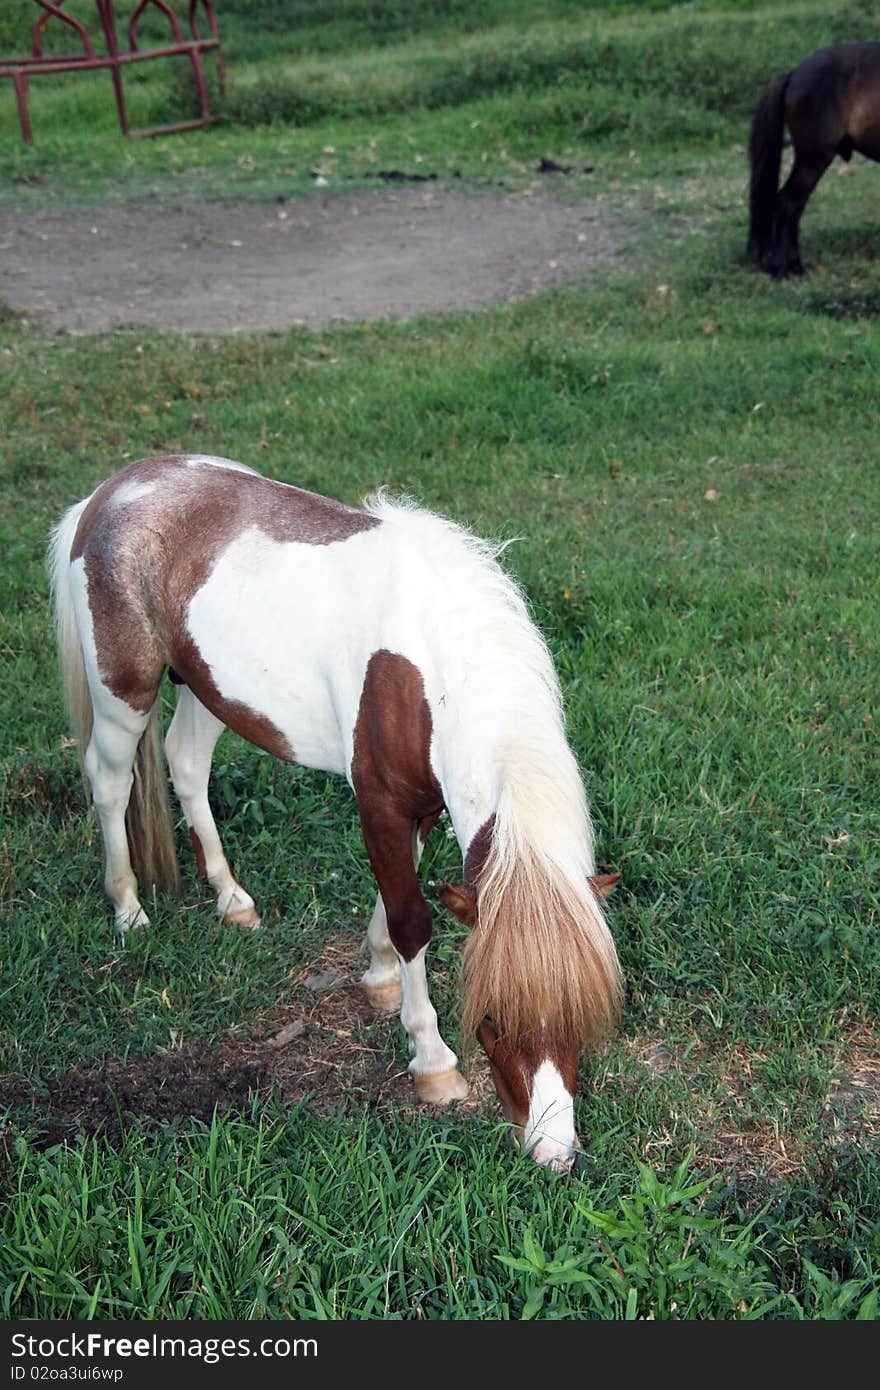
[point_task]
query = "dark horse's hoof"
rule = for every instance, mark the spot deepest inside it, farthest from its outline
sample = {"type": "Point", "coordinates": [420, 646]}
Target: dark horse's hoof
{"type": "Point", "coordinates": [782, 272]}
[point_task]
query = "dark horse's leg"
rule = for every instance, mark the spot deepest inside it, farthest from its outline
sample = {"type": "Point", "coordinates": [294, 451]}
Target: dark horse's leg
{"type": "Point", "coordinates": [816, 115]}
{"type": "Point", "coordinates": [785, 258]}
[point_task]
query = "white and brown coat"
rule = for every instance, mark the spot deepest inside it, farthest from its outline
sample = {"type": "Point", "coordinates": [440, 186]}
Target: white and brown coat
{"type": "Point", "coordinates": [384, 644]}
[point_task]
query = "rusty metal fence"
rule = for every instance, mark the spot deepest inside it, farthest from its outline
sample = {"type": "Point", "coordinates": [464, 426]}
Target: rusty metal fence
{"type": "Point", "coordinates": [108, 53]}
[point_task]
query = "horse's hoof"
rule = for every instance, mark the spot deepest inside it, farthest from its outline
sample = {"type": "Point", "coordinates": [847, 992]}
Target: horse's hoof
{"type": "Point", "coordinates": [131, 921]}
{"type": "Point", "coordinates": [385, 999]}
{"type": "Point", "coordinates": [245, 917]}
{"type": "Point", "coordinates": [440, 1087]}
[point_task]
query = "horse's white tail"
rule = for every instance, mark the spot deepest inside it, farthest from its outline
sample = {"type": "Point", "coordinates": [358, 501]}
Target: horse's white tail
{"type": "Point", "coordinates": [541, 959]}
{"type": "Point", "coordinates": [148, 817]}
{"type": "Point", "coordinates": [74, 685]}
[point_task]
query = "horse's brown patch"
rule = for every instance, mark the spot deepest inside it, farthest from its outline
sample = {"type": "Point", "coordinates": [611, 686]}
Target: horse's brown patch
{"type": "Point", "coordinates": [150, 537]}
{"type": "Point", "coordinates": [392, 739]}
{"type": "Point", "coordinates": [257, 728]}
{"type": "Point", "coordinates": [427, 823]}
{"type": "Point", "coordinates": [205, 503]}
{"type": "Point", "coordinates": [396, 789]}
{"type": "Point", "coordinates": [508, 1074]}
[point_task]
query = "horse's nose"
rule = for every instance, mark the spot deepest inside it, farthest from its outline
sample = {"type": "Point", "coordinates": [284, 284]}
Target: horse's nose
{"type": "Point", "coordinates": [557, 1157]}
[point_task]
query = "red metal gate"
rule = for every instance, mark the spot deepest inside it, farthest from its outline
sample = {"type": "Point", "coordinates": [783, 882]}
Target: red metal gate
{"type": "Point", "coordinates": [114, 57]}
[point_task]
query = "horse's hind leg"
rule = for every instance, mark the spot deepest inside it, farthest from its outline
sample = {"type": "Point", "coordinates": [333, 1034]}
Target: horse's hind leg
{"type": "Point", "coordinates": [109, 759]}
{"type": "Point", "coordinates": [791, 200]}
{"type": "Point", "coordinates": [189, 745]}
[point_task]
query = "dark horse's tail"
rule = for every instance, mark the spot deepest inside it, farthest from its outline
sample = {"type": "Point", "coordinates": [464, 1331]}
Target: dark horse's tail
{"type": "Point", "coordinates": [765, 159]}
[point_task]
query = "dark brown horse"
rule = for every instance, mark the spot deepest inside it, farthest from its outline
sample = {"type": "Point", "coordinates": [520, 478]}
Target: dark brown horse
{"type": "Point", "coordinates": [831, 105]}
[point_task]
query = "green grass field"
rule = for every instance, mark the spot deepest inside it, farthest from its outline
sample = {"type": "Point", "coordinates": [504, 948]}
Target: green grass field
{"type": "Point", "coordinates": [687, 453]}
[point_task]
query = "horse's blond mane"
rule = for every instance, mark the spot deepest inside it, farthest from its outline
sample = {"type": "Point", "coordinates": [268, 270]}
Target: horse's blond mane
{"type": "Point", "coordinates": [541, 957]}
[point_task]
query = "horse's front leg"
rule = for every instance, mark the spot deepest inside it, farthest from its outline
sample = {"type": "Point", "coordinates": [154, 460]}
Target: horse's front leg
{"type": "Point", "coordinates": [394, 851]}
{"type": "Point", "coordinates": [434, 1066]}
{"type": "Point", "coordinates": [189, 745]}
{"type": "Point", "coordinates": [381, 980]}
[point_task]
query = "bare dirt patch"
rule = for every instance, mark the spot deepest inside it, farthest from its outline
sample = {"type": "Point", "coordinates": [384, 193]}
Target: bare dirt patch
{"type": "Point", "coordinates": [853, 1104]}
{"type": "Point", "coordinates": [238, 267]}
{"type": "Point", "coordinates": [718, 1081]}
{"type": "Point", "coordinates": [327, 1048]}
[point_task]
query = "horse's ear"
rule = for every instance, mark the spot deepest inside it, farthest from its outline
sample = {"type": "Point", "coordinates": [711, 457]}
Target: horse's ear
{"type": "Point", "coordinates": [461, 900]}
{"type": "Point", "coordinates": [602, 884]}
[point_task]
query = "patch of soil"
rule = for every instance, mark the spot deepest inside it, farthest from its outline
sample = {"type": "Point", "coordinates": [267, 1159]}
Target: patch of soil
{"type": "Point", "coordinates": [744, 1146]}
{"type": "Point", "coordinates": [327, 1048]}
{"type": "Point", "coordinates": [853, 1103]}
{"type": "Point", "coordinates": [233, 267]}
{"type": "Point", "coordinates": [166, 1086]}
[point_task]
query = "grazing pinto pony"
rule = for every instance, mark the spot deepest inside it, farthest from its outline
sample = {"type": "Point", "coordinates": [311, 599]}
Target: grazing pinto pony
{"type": "Point", "coordinates": [384, 644]}
{"type": "Point", "coordinates": [831, 105]}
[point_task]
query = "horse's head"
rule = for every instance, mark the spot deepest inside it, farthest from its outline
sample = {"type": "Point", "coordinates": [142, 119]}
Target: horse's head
{"type": "Point", "coordinates": [535, 1075]}
{"type": "Point", "coordinates": [536, 1087]}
